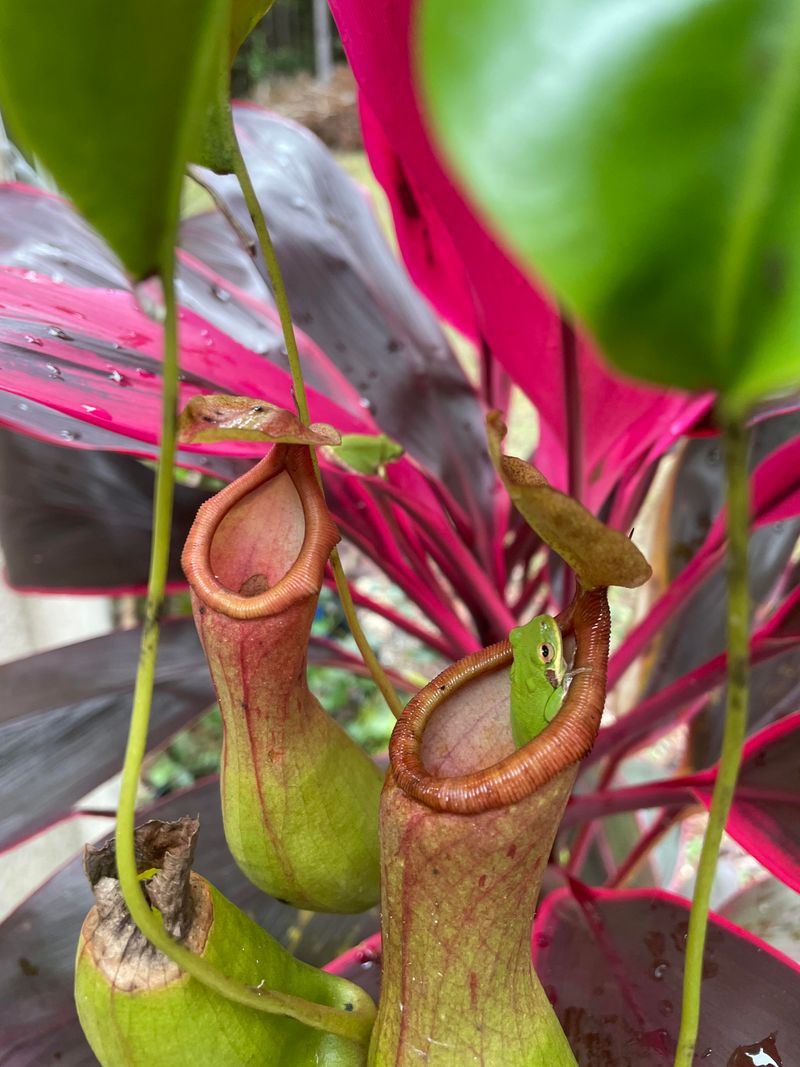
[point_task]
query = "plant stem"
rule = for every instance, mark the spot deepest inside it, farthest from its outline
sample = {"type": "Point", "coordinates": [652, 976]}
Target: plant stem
{"type": "Point", "coordinates": [353, 1025]}
{"type": "Point", "coordinates": [735, 444]}
{"type": "Point", "coordinates": [284, 313]}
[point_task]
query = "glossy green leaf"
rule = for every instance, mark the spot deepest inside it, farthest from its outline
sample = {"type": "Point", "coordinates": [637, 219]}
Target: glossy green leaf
{"type": "Point", "coordinates": [644, 160]}
{"type": "Point", "coordinates": [217, 148]}
{"type": "Point", "coordinates": [245, 15]}
{"type": "Point", "coordinates": [111, 100]}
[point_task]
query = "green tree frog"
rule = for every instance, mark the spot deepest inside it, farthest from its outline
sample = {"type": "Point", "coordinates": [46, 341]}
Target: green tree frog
{"type": "Point", "coordinates": [537, 677]}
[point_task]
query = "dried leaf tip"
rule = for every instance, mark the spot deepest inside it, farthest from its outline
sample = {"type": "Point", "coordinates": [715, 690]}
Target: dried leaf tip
{"type": "Point", "coordinates": [218, 417]}
{"type": "Point", "coordinates": [598, 555]}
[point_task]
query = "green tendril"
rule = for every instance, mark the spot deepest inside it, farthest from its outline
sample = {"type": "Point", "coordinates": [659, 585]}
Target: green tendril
{"type": "Point", "coordinates": [355, 1026]}
{"type": "Point", "coordinates": [734, 436]}
{"type": "Point", "coordinates": [298, 385]}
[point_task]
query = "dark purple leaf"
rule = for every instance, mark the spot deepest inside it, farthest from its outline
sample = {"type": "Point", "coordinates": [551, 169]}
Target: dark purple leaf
{"type": "Point", "coordinates": [697, 632]}
{"type": "Point", "coordinates": [773, 693]}
{"type": "Point", "coordinates": [765, 817]}
{"type": "Point", "coordinates": [65, 718]}
{"type": "Point", "coordinates": [350, 295]}
{"type": "Point", "coordinates": [41, 233]}
{"type": "Point", "coordinates": [775, 498]}
{"type": "Point", "coordinates": [38, 1024]}
{"type": "Point", "coordinates": [612, 963]}
{"type": "Point", "coordinates": [73, 520]}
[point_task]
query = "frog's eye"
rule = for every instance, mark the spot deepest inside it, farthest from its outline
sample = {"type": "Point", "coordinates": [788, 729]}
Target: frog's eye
{"type": "Point", "coordinates": [546, 652]}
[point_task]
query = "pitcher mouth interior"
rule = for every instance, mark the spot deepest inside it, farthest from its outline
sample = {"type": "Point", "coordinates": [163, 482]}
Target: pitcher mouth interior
{"type": "Point", "coordinates": [262, 542]}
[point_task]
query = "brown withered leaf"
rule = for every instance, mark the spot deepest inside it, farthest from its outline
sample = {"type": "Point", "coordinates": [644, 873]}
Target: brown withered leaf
{"type": "Point", "coordinates": [218, 417]}
{"type": "Point", "coordinates": [598, 555]}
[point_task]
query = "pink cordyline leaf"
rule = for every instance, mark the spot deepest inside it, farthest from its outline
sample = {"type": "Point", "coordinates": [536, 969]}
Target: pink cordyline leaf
{"type": "Point", "coordinates": [474, 284]}
{"type": "Point", "coordinates": [765, 817]}
{"type": "Point", "coordinates": [775, 495]}
{"type": "Point", "coordinates": [613, 965]}
{"type": "Point", "coordinates": [659, 712]}
{"type": "Point", "coordinates": [41, 233]}
{"type": "Point", "coordinates": [350, 293]}
{"type": "Point", "coordinates": [95, 356]}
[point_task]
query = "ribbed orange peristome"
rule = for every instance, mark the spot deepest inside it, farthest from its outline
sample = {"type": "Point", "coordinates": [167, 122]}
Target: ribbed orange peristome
{"type": "Point", "coordinates": [303, 578]}
{"type": "Point", "coordinates": [565, 741]}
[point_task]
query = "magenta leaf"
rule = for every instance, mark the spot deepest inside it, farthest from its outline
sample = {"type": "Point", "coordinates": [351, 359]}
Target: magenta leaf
{"type": "Point", "coordinates": [43, 234]}
{"type": "Point", "coordinates": [765, 817]}
{"type": "Point", "coordinates": [472, 282]}
{"type": "Point", "coordinates": [774, 682]}
{"type": "Point", "coordinates": [775, 492]}
{"type": "Point", "coordinates": [350, 295]}
{"type": "Point", "coordinates": [362, 965]}
{"type": "Point", "coordinates": [93, 355]}
{"type": "Point", "coordinates": [613, 963]}
{"type": "Point", "coordinates": [38, 1024]}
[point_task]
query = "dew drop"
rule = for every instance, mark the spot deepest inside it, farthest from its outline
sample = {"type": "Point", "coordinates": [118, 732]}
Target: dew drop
{"type": "Point", "coordinates": [298, 201]}
{"type": "Point", "coordinates": [660, 969]}
{"type": "Point", "coordinates": [34, 340]}
{"type": "Point", "coordinates": [365, 402]}
{"type": "Point", "coordinates": [99, 413]}
{"type": "Point", "coordinates": [220, 294]}
{"type": "Point", "coordinates": [69, 435]}
{"type": "Point", "coordinates": [23, 406]}
{"type": "Point", "coordinates": [143, 372]}
{"type": "Point", "coordinates": [120, 379]}
{"type": "Point", "coordinates": [53, 372]}
{"type": "Point", "coordinates": [56, 331]}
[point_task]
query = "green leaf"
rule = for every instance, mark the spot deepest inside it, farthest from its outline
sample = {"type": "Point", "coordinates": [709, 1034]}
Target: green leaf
{"type": "Point", "coordinates": [367, 453]}
{"type": "Point", "coordinates": [644, 160]}
{"type": "Point", "coordinates": [110, 98]}
{"type": "Point", "coordinates": [217, 149]}
{"type": "Point", "coordinates": [245, 16]}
